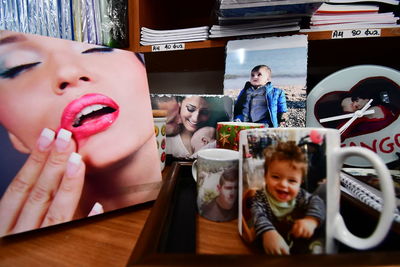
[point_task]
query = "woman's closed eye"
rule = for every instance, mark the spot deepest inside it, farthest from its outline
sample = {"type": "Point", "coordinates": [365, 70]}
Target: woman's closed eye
{"type": "Point", "coordinates": [17, 70]}
{"type": "Point", "coordinates": [102, 49]}
{"type": "Point", "coordinates": [191, 108]}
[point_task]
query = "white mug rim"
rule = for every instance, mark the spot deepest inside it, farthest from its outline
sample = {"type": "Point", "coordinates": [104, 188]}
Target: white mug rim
{"type": "Point", "coordinates": [160, 119]}
{"type": "Point", "coordinates": [320, 129]}
{"type": "Point", "coordinates": [208, 154]}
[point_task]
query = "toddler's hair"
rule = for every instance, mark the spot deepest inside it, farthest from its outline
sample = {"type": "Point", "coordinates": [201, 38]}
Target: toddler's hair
{"type": "Point", "coordinates": [288, 151]}
{"type": "Point", "coordinates": [258, 67]}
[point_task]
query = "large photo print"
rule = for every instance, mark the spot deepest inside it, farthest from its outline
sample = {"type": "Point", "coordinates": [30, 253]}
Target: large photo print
{"type": "Point", "coordinates": [81, 115]}
{"type": "Point", "coordinates": [191, 121]}
{"type": "Point", "coordinates": [267, 79]}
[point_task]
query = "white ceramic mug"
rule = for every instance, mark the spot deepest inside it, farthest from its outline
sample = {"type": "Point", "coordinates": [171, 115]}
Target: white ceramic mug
{"type": "Point", "coordinates": [289, 184]}
{"type": "Point", "coordinates": [216, 173]}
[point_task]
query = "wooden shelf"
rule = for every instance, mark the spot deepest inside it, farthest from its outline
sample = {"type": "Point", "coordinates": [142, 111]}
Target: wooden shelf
{"type": "Point", "coordinates": [327, 35]}
{"type": "Point", "coordinates": [158, 14]}
{"type": "Point", "coordinates": [181, 70]}
{"type": "Point", "coordinates": [189, 45]}
{"type": "Point", "coordinates": [169, 15]}
{"type": "Point", "coordinates": [318, 35]}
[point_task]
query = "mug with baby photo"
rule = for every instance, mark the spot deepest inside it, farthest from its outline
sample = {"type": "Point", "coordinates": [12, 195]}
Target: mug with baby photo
{"type": "Point", "coordinates": [289, 191]}
{"type": "Point", "coordinates": [192, 121]}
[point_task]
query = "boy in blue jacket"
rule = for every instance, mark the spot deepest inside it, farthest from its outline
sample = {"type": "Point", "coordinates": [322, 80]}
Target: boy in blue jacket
{"type": "Point", "coordinates": [259, 101]}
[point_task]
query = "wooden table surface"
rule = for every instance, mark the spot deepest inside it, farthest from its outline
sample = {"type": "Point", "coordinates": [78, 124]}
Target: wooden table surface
{"type": "Point", "coordinates": [109, 239]}
{"type": "Point", "coordinates": [102, 240]}
{"type": "Point", "coordinates": [210, 234]}
{"type": "Point", "coordinates": [105, 240]}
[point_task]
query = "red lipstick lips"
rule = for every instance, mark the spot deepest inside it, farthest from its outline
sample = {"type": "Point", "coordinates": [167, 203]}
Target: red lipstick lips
{"type": "Point", "coordinates": [88, 115]}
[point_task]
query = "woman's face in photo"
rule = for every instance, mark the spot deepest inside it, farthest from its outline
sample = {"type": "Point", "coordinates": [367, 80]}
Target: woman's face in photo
{"type": "Point", "coordinates": [194, 112]}
{"type": "Point", "coordinates": [98, 93]}
{"type": "Point", "coordinates": [359, 103]}
{"type": "Point", "coordinates": [349, 105]}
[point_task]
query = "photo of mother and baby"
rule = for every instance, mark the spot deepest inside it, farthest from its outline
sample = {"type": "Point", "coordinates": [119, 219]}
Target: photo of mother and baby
{"type": "Point", "coordinates": [191, 121]}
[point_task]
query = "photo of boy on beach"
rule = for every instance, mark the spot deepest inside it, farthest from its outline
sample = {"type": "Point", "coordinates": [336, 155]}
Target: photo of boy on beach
{"type": "Point", "coordinates": [267, 79]}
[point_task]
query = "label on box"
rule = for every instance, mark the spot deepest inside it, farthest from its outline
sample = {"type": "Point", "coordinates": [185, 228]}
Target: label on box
{"type": "Point", "coordinates": [355, 33]}
{"type": "Point", "coordinates": [168, 47]}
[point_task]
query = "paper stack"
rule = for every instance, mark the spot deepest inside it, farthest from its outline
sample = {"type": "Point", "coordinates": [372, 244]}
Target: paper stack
{"type": "Point", "coordinates": [333, 15]}
{"type": "Point", "coordinates": [260, 27]}
{"type": "Point", "coordinates": [249, 17]}
{"type": "Point", "coordinates": [155, 37]}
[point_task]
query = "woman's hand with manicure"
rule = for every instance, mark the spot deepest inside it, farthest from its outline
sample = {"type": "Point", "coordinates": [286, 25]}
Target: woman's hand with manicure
{"type": "Point", "coordinates": [47, 189]}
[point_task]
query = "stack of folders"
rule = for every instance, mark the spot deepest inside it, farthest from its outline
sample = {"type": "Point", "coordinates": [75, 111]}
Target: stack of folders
{"type": "Point", "coordinates": [251, 17]}
{"type": "Point", "coordinates": [156, 37]}
{"type": "Point", "coordinates": [252, 28]}
{"type": "Point", "coordinates": [347, 14]}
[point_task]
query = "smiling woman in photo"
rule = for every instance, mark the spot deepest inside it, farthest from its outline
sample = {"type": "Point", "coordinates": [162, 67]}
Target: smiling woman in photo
{"type": "Point", "coordinates": [194, 113]}
{"type": "Point", "coordinates": [83, 114]}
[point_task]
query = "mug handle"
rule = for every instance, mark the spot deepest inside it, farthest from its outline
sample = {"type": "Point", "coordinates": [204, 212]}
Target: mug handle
{"type": "Point", "coordinates": [338, 228]}
{"type": "Point", "coordinates": [194, 170]}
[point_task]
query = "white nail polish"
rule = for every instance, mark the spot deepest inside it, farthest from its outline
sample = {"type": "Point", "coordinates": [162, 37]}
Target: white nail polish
{"type": "Point", "coordinates": [45, 139]}
{"type": "Point", "coordinates": [63, 139]}
{"type": "Point", "coordinates": [50, 134]}
{"type": "Point", "coordinates": [97, 209]}
{"type": "Point", "coordinates": [75, 158]}
{"type": "Point", "coordinates": [64, 135]}
{"type": "Point", "coordinates": [73, 164]}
